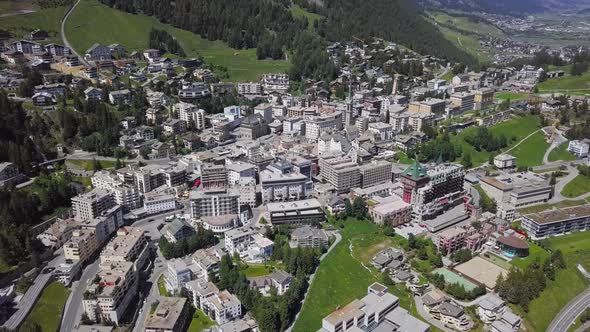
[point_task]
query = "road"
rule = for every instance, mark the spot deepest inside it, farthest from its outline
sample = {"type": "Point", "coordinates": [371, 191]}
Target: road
{"type": "Point", "coordinates": [312, 277]}
{"type": "Point", "coordinates": [26, 303]}
{"type": "Point", "coordinates": [63, 34]}
{"type": "Point", "coordinates": [154, 291]}
{"type": "Point", "coordinates": [73, 307]}
{"type": "Point", "coordinates": [570, 312]}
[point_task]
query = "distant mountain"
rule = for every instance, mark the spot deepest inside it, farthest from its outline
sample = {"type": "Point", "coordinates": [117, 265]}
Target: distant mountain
{"type": "Point", "coordinates": [513, 7]}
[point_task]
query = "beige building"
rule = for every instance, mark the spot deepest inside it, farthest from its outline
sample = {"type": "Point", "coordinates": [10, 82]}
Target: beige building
{"type": "Point", "coordinates": [484, 98]}
{"type": "Point", "coordinates": [171, 315]}
{"type": "Point", "coordinates": [341, 172]}
{"type": "Point", "coordinates": [432, 105]}
{"type": "Point", "coordinates": [81, 246]}
{"type": "Point", "coordinates": [463, 100]}
{"type": "Point", "coordinates": [130, 245]}
{"type": "Point", "coordinates": [91, 204]}
{"type": "Point", "coordinates": [375, 173]}
{"type": "Point", "coordinates": [392, 211]}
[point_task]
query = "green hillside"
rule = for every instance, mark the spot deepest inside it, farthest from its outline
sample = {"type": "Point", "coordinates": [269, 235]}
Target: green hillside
{"type": "Point", "coordinates": [93, 22]}
{"type": "Point", "coordinates": [47, 19]}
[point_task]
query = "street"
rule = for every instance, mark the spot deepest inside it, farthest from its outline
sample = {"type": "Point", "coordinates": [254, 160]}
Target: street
{"type": "Point", "coordinates": [73, 307]}
{"type": "Point", "coordinates": [570, 312]}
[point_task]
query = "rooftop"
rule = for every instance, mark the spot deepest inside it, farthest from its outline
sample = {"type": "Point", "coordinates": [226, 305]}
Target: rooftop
{"type": "Point", "coordinates": [557, 215]}
{"type": "Point", "coordinates": [167, 313]}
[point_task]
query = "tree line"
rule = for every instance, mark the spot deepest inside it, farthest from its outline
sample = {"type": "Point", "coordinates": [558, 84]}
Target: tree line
{"type": "Point", "coordinates": [163, 41]}
{"type": "Point", "coordinates": [202, 239]}
{"type": "Point", "coordinates": [521, 286]}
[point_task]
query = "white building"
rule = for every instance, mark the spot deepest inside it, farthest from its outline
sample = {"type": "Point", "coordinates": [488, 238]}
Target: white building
{"type": "Point", "coordinates": [158, 202]}
{"type": "Point", "coordinates": [578, 148]}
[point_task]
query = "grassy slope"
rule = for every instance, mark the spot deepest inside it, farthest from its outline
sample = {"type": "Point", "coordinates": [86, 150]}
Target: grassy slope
{"type": "Point", "coordinates": [46, 19]}
{"type": "Point", "coordinates": [561, 153]}
{"type": "Point", "coordinates": [199, 322]}
{"type": "Point", "coordinates": [578, 186]}
{"type": "Point", "coordinates": [466, 24]}
{"type": "Point", "coordinates": [300, 13]}
{"type": "Point", "coordinates": [518, 128]}
{"type": "Point", "coordinates": [568, 83]}
{"type": "Point", "coordinates": [93, 22]}
{"type": "Point", "coordinates": [327, 292]}
{"type": "Point", "coordinates": [513, 96]}
{"type": "Point", "coordinates": [568, 284]}
{"type": "Point", "coordinates": [530, 152]}
{"type": "Point", "coordinates": [47, 311]}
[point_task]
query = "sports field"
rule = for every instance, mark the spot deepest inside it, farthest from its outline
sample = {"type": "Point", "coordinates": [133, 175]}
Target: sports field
{"type": "Point", "coordinates": [452, 277]}
{"type": "Point", "coordinates": [481, 270]}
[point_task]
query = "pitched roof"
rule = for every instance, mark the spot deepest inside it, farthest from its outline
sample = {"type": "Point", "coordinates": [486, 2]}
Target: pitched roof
{"type": "Point", "coordinates": [415, 171]}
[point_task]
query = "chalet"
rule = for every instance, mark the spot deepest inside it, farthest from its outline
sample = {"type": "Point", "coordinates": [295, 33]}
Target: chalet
{"type": "Point", "coordinates": [39, 34]}
{"type": "Point", "coordinates": [117, 50]}
{"type": "Point", "coordinates": [44, 99]}
{"type": "Point", "coordinates": [97, 52]}
{"type": "Point", "coordinates": [91, 72]}
{"type": "Point", "coordinates": [57, 50]}
{"type": "Point", "coordinates": [135, 55]}
{"type": "Point", "coordinates": [120, 97]}
{"type": "Point", "coordinates": [71, 61]}
{"type": "Point", "coordinates": [93, 93]}
{"type": "Point", "coordinates": [191, 63]}
{"type": "Point", "coordinates": [174, 126]}
{"type": "Point", "coordinates": [26, 46]}
{"type": "Point", "coordinates": [54, 89]}
{"type": "Point", "coordinates": [151, 55]}
{"type": "Point", "coordinates": [191, 141]}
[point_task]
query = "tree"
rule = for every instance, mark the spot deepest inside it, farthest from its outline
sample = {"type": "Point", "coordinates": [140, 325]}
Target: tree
{"type": "Point", "coordinates": [466, 161]}
{"type": "Point", "coordinates": [359, 209]}
{"type": "Point", "coordinates": [412, 242]}
{"type": "Point", "coordinates": [96, 166]}
{"type": "Point", "coordinates": [348, 210]}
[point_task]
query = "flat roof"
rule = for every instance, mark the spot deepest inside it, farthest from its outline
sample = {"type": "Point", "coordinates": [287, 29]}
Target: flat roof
{"type": "Point", "coordinates": [558, 215]}
{"type": "Point", "coordinates": [167, 313]}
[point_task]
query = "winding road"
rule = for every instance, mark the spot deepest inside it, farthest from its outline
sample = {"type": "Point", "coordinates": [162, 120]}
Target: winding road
{"type": "Point", "coordinates": [63, 33]}
{"type": "Point", "coordinates": [570, 312]}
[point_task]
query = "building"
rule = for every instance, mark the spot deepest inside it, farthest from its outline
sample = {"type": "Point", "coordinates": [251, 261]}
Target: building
{"type": "Point", "coordinates": [98, 52]}
{"type": "Point", "coordinates": [174, 126]}
{"type": "Point", "coordinates": [375, 173]}
{"type": "Point", "coordinates": [214, 202]}
{"type": "Point", "coordinates": [442, 308]}
{"type": "Point", "coordinates": [484, 98]}
{"type": "Point", "coordinates": [451, 240]}
{"type": "Point", "coordinates": [296, 212]}
{"type": "Point", "coordinates": [392, 211]}
{"type": "Point", "coordinates": [193, 116]}
{"type": "Point", "coordinates": [155, 203]}
{"type": "Point", "coordinates": [578, 148]}
{"type": "Point", "coordinates": [240, 170]}
{"type": "Point", "coordinates": [277, 186]}
{"type": "Point", "coordinates": [278, 279]}
{"type": "Point", "coordinates": [275, 83]}
{"type": "Point", "coordinates": [431, 105]}
{"type": "Point", "coordinates": [308, 237]}
{"type": "Point", "coordinates": [463, 100]}
{"type": "Point", "coordinates": [222, 307]}
{"type": "Point", "coordinates": [105, 224]}
{"type": "Point", "coordinates": [177, 230]}
{"type": "Point", "coordinates": [341, 172]}
{"type": "Point", "coordinates": [120, 97]}
{"type": "Point", "coordinates": [557, 221]}
{"type": "Point", "coordinates": [81, 246]}
{"type": "Point", "coordinates": [180, 271]}
{"type": "Point", "coordinates": [316, 126]}
{"type": "Point", "coordinates": [249, 88]}
{"type": "Point", "coordinates": [92, 204]}
{"type": "Point", "coordinates": [213, 176]}
{"type": "Point", "coordinates": [378, 311]}
{"type": "Point", "coordinates": [130, 245]}
{"type": "Point", "coordinates": [490, 309]}
{"type": "Point", "coordinates": [517, 189]}
{"type": "Point", "coordinates": [9, 174]}
{"type": "Point", "coordinates": [172, 314]}
{"type": "Point", "coordinates": [249, 244]}
{"type": "Point", "coordinates": [111, 292]}
{"type": "Point", "coordinates": [505, 162]}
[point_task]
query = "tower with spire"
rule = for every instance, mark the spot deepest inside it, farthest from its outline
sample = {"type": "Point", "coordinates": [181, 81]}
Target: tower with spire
{"type": "Point", "coordinates": [413, 178]}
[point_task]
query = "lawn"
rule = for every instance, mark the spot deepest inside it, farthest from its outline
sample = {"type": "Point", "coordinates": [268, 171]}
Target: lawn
{"type": "Point", "coordinates": [501, 262]}
{"type": "Point", "coordinates": [161, 288]}
{"type": "Point", "coordinates": [512, 96]}
{"type": "Point", "coordinates": [88, 166]}
{"type": "Point", "coordinates": [466, 24]}
{"type": "Point", "coordinates": [568, 83]}
{"type": "Point", "coordinates": [543, 207]}
{"type": "Point", "coordinates": [47, 311]}
{"type": "Point", "coordinates": [47, 19]}
{"type": "Point", "coordinates": [580, 185]}
{"type": "Point", "coordinates": [403, 158]}
{"type": "Point", "coordinates": [568, 284]}
{"type": "Point", "coordinates": [257, 270]}
{"type": "Point", "coordinates": [199, 322]}
{"type": "Point", "coordinates": [515, 130]}
{"type": "Point", "coordinates": [530, 152]}
{"type": "Point", "coordinates": [534, 252]}
{"type": "Point", "coordinates": [561, 153]}
{"type": "Point", "coordinates": [104, 24]}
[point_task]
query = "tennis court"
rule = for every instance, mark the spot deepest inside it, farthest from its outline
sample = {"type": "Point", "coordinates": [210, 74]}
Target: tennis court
{"type": "Point", "coordinates": [452, 277]}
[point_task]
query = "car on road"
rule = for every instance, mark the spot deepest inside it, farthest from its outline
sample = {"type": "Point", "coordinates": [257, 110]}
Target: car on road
{"type": "Point", "coordinates": [150, 220]}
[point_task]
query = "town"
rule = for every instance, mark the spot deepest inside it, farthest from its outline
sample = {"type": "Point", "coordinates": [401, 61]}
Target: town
{"type": "Point", "coordinates": [410, 193]}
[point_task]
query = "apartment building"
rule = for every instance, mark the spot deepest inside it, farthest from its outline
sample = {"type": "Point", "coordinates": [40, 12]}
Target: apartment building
{"type": "Point", "coordinates": [275, 83]}
{"type": "Point", "coordinates": [179, 271]}
{"type": "Point", "coordinates": [505, 162]}
{"type": "Point", "coordinates": [379, 310]}
{"type": "Point", "coordinates": [578, 148]}
{"type": "Point", "coordinates": [431, 105]}
{"type": "Point", "coordinates": [113, 288]}
{"type": "Point", "coordinates": [214, 202]}
{"type": "Point", "coordinates": [177, 230]}
{"type": "Point", "coordinates": [277, 186]}
{"type": "Point", "coordinates": [441, 308]}
{"type": "Point", "coordinates": [239, 170]}
{"type": "Point", "coordinates": [557, 221]}
{"type": "Point", "coordinates": [222, 307]}
{"type": "Point", "coordinates": [411, 120]}
{"type": "Point", "coordinates": [174, 126]}
{"type": "Point", "coordinates": [192, 115]}
{"type": "Point", "coordinates": [130, 245]}
{"type": "Point", "coordinates": [172, 314]}
{"type": "Point", "coordinates": [91, 204]}
{"type": "Point", "coordinates": [316, 126]}
{"type": "Point", "coordinates": [250, 88]}
{"type": "Point", "coordinates": [484, 98]}
{"type": "Point", "coordinates": [296, 212]}
{"type": "Point", "coordinates": [375, 173]}
{"type": "Point", "coordinates": [154, 203]}
{"type": "Point", "coordinates": [391, 210]}
{"type": "Point", "coordinates": [246, 190]}
{"type": "Point", "coordinates": [81, 246]}
{"type": "Point", "coordinates": [308, 237]}
{"type": "Point", "coordinates": [105, 224]}
{"type": "Point", "coordinates": [341, 172]}
{"type": "Point", "coordinates": [463, 100]}
{"type": "Point", "coordinates": [451, 240]}
{"type": "Point", "coordinates": [213, 176]}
